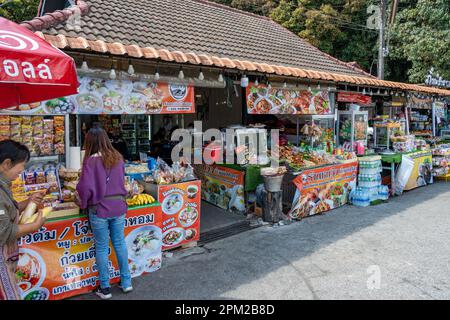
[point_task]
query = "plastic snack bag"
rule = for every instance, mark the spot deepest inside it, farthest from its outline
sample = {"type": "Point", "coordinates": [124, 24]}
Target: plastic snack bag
{"type": "Point", "coordinates": [403, 174]}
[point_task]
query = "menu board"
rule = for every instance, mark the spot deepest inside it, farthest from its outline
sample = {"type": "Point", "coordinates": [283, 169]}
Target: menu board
{"type": "Point", "coordinates": [422, 173]}
{"type": "Point", "coordinates": [323, 189]}
{"type": "Point", "coordinates": [101, 96]}
{"type": "Point", "coordinates": [264, 100]}
{"type": "Point", "coordinates": [222, 186]}
{"type": "Point", "coordinates": [58, 261]}
{"type": "Point", "coordinates": [180, 203]}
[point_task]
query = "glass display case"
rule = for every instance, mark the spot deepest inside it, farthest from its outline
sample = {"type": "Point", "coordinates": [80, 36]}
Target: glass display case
{"type": "Point", "coordinates": [352, 128]}
{"type": "Point", "coordinates": [317, 130]}
{"type": "Point", "coordinates": [383, 131]}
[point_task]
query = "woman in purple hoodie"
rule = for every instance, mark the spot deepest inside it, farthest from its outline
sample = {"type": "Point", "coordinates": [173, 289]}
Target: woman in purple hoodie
{"type": "Point", "coordinates": [101, 191]}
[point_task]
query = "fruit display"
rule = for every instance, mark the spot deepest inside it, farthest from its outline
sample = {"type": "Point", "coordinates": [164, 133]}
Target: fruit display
{"type": "Point", "coordinates": [140, 200]}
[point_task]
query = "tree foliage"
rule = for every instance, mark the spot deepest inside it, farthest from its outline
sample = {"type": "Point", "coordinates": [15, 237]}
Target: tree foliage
{"type": "Point", "coordinates": [421, 36]}
{"type": "Point", "coordinates": [419, 39]}
{"type": "Point", "coordinates": [19, 10]}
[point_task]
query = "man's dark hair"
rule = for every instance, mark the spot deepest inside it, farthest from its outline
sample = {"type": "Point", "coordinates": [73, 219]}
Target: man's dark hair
{"type": "Point", "coordinates": [15, 151]}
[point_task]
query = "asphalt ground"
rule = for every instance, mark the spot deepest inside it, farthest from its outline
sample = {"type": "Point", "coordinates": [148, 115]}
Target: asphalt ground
{"type": "Point", "coordinates": [395, 250]}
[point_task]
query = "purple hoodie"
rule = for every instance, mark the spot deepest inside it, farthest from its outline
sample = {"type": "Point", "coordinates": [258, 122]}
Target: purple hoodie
{"type": "Point", "coordinates": [92, 187]}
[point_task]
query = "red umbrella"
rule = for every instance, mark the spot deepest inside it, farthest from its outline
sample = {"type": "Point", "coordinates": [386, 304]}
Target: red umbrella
{"type": "Point", "coordinates": [31, 69]}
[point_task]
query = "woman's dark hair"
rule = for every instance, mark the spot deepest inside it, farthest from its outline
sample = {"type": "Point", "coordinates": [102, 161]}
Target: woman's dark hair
{"type": "Point", "coordinates": [15, 151]}
{"type": "Point", "coordinates": [97, 141]}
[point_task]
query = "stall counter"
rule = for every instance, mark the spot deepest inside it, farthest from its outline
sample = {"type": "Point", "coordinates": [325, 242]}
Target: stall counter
{"type": "Point", "coordinates": [58, 261]}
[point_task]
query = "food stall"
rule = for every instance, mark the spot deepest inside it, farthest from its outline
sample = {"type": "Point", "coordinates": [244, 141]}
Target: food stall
{"type": "Point", "coordinates": [320, 176]}
{"type": "Point", "coordinates": [58, 261]}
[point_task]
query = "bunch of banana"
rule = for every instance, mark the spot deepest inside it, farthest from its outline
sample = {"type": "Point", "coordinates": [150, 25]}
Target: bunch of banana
{"type": "Point", "coordinates": [140, 200]}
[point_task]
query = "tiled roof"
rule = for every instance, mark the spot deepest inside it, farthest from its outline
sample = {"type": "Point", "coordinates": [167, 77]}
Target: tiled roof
{"type": "Point", "coordinates": [201, 27]}
{"type": "Point", "coordinates": [199, 32]}
{"type": "Point", "coordinates": [56, 17]}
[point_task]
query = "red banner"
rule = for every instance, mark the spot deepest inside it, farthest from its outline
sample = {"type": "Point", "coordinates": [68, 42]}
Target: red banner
{"type": "Point", "coordinates": [58, 261]}
{"type": "Point", "coordinates": [30, 68]}
{"type": "Point", "coordinates": [354, 98]}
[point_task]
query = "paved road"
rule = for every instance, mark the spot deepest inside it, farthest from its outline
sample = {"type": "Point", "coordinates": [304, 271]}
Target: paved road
{"type": "Point", "coordinates": [322, 257]}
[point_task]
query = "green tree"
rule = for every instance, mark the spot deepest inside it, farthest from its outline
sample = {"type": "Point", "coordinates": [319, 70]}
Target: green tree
{"type": "Point", "coordinates": [421, 38]}
{"type": "Point", "coordinates": [19, 10]}
{"type": "Point", "coordinates": [337, 27]}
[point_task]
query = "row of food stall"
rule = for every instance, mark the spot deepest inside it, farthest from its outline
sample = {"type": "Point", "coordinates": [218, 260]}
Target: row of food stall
{"type": "Point", "coordinates": [319, 144]}
{"type": "Point", "coordinates": [323, 130]}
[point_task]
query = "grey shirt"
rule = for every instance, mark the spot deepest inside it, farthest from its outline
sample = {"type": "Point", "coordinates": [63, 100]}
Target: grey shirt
{"type": "Point", "coordinates": [8, 213]}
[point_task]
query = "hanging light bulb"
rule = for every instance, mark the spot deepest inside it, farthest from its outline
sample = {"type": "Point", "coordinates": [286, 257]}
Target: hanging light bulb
{"type": "Point", "coordinates": [396, 93]}
{"type": "Point", "coordinates": [112, 74]}
{"type": "Point", "coordinates": [269, 85]}
{"type": "Point", "coordinates": [329, 88]}
{"type": "Point", "coordinates": [309, 88]}
{"type": "Point", "coordinates": [318, 86]}
{"type": "Point", "coordinates": [370, 92]}
{"type": "Point", "coordinates": [130, 69]}
{"type": "Point", "coordinates": [84, 66]}
{"type": "Point", "coordinates": [285, 85]}
{"type": "Point", "coordinates": [256, 82]}
{"type": "Point", "coordinates": [181, 74]}
{"type": "Point", "coordinates": [379, 92]}
{"type": "Point", "coordinates": [364, 91]}
{"type": "Point", "coordinates": [157, 76]}
{"type": "Point", "coordinates": [244, 81]}
{"type": "Point", "coordinates": [201, 76]}
{"type": "Point", "coordinates": [220, 77]}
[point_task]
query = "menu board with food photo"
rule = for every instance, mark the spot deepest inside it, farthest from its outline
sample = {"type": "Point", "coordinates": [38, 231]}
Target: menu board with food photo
{"type": "Point", "coordinates": [223, 187]}
{"type": "Point", "coordinates": [264, 100]}
{"type": "Point", "coordinates": [323, 189]}
{"type": "Point", "coordinates": [180, 204]}
{"type": "Point", "coordinates": [59, 106]}
{"type": "Point", "coordinates": [101, 96]}
{"type": "Point", "coordinates": [58, 261]}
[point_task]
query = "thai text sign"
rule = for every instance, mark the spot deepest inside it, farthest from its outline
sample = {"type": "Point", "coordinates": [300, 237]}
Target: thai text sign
{"type": "Point", "coordinates": [58, 261]}
{"type": "Point", "coordinates": [100, 96]}
{"type": "Point", "coordinates": [323, 189]}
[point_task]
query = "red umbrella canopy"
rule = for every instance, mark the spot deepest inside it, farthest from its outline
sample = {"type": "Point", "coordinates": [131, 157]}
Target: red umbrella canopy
{"type": "Point", "coordinates": [31, 69]}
